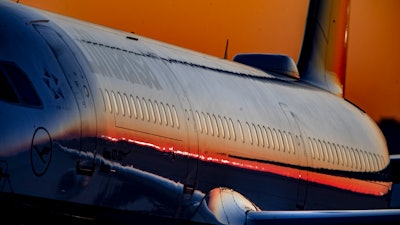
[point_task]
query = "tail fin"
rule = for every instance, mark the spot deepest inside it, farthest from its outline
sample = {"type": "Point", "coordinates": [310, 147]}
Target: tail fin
{"type": "Point", "coordinates": [322, 60]}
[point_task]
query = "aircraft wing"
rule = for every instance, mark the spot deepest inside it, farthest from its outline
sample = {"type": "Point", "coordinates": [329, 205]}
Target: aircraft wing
{"type": "Point", "coordinates": [230, 207]}
{"type": "Point", "coordinates": [373, 216]}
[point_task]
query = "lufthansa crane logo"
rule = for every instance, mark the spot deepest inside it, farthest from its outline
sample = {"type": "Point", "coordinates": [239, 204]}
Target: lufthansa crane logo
{"type": "Point", "coordinates": [41, 151]}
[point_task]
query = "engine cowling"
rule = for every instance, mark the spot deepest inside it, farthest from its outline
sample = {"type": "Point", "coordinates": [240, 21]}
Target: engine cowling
{"type": "Point", "coordinates": [229, 206]}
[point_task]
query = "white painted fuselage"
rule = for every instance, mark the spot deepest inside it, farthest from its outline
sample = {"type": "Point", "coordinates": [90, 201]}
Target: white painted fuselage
{"type": "Point", "coordinates": [125, 122]}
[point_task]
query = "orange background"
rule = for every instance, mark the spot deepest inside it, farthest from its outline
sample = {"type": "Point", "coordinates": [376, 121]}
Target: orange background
{"type": "Point", "coordinates": [269, 26]}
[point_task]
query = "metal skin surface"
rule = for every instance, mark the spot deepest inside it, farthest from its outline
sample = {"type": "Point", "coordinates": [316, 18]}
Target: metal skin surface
{"type": "Point", "coordinates": [129, 125]}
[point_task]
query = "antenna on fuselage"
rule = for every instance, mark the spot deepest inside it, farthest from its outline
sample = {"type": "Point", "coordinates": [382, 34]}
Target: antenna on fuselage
{"type": "Point", "coordinates": [226, 49]}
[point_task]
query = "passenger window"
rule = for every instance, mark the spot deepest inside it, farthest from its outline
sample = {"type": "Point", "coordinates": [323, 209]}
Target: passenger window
{"type": "Point", "coordinates": [175, 116]}
{"type": "Point", "coordinates": [291, 143]}
{"type": "Point", "coordinates": [325, 151]}
{"type": "Point", "coordinates": [338, 155]}
{"type": "Point", "coordinates": [157, 111]}
{"type": "Point", "coordinates": [357, 159]}
{"type": "Point", "coordinates": [151, 110]}
{"type": "Point", "coordinates": [232, 129]}
{"type": "Point", "coordinates": [350, 157]}
{"type": "Point", "coordinates": [332, 153]}
{"type": "Point", "coordinates": [310, 142]}
{"type": "Point", "coordinates": [152, 115]}
{"type": "Point", "coordinates": [320, 152]}
{"type": "Point", "coordinates": [346, 156]}
{"type": "Point", "coordinates": [16, 87]}
{"type": "Point", "coordinates": [271, 141]}
{"type": "Point", "coordinates": [364, 161]}
{"type": "Point", "coordinates": [121, 103]}
{"type": "Point", "coordinates": [164, 115]}
{"type": "Point", "coordinates": [281, 141]}
{"type": "Point", "coordinates": [276, 141]}
{"type": "Point", "coordinates": [169, 115]}
{"type": "Point", "coordinates": [128, 106]}
{"type": "Point", "coordinates": [260, 137]}
{"type": "Point", "coordinates": [250, 134]}
{"type": "Point", "coordinates": [139, 108]}
{"type": "Point", "coordinates": [371, 162]}
{"type": "Point", "coordinates": [256, 141]}
{"type": "Point", "coordinates": [241, 131]}
{"type": "Point", "coordinates": [198, 122]}
{"type": "Point", "coordinates": [316, 148]}
{"type": "Point", "coordinates": [115, 102]}
{"type": "Point", "coordinates": [226, 126]}
{"type": "Point", "coordinates": [134, 106]}
{"type": "Point", "coordinates": [285, 142]}
{"type": "Point", "coordinates": [221, 126]}
{"type": "Point", "coordinates": [145, 109]}
{"type": "Point", "coordinates": [215, 125]}
{"type": "Point", "coordinates": [210, 124]}
{"type": "Point", "coordinates": [108, 101]}
{"type": "Point", "coordinates": [104, 102]}
{"type": "Point", "coordinates": [265, 137]}
{"type": "Point", "coordinates": [203, 117]}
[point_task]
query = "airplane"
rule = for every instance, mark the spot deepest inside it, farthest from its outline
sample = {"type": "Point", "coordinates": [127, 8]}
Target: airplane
{"type": "Point", "coordinates": [101, 126]}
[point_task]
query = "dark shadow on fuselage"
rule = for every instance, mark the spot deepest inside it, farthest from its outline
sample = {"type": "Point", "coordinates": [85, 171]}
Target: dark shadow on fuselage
{"type": "Point", "coordinates": [391, 131]}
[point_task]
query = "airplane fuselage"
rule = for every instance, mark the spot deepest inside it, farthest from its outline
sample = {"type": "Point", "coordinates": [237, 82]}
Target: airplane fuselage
{"type": "Point", "coordinates": [116, 120]}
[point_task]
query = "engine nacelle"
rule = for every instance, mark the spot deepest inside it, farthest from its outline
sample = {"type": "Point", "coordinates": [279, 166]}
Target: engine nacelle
{"type": "Point", "coordinates": [229, 206]}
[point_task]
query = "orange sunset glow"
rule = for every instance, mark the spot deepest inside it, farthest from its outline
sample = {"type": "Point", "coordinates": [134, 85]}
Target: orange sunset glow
{"type": "Point", "coordinates": [263, 26]}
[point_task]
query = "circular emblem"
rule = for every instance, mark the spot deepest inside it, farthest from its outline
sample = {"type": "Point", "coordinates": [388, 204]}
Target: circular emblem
{"type": "Point", "coordinates": [41, 151]}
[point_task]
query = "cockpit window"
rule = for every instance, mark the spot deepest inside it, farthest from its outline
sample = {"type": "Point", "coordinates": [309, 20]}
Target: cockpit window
{"type": "Point", "coordinates": [16, 87]}
{"type": "Point", "coordinates": [6, 90]}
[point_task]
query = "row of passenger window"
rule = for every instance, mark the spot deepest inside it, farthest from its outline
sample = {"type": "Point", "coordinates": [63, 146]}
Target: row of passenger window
{"type": "Point", "coordinates": [345, 155]}
{"type": "Point", "coordinates": [223, 127]}
{"type": "Point", "coordinates": [271, 138]}
{"type": "Point", "coordinates": [140, 108]}
{"type": "Point", "coordinates": [262, 136]}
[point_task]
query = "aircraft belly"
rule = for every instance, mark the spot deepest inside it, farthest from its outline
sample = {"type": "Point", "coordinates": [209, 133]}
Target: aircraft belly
{"type": "Point", "coordinates": [127, 177]}
{"type": "Point", "coordinates": [141, 177]}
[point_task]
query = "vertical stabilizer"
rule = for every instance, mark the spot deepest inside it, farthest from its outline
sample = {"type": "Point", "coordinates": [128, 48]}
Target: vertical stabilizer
{"type": "Point", "coordinates": [322, 60]}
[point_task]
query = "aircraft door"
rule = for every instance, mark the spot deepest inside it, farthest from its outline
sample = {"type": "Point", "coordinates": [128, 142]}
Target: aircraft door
{"type": "Point", "coordinates": [191, 178]}
{"type": "Point", "coordinates": [190, 182]}
{"type": "Point", "coordinates": [186, 209]}
{"type": "Point", "coordinates": [301, 154]}
{"type": "Point", "coordinates": [81, 90]}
